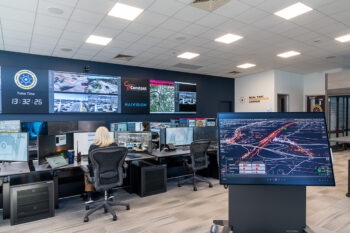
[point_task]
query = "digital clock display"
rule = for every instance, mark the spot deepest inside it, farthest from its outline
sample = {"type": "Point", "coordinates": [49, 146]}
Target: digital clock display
{"type": "Point", "coordinates": [26, 90]}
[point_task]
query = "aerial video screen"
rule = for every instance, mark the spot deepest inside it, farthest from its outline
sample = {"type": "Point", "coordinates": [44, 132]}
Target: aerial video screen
{"type": "Point", "coordinates": [14, 147]}
{"type": "Point", "coordinates": [274, 149]}
{"type": "Point", "coordinates": [162, 96]}
{"type": "Point", "coordinates": [186, 97]}
{"type": "Point", "coordinates": [179, 136]}
{"type": "Point", "coordinates": [135, 141]}
{"type": "Point", "coordinates": [74, 93]}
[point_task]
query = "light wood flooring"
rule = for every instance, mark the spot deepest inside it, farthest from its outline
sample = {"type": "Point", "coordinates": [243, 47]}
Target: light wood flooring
{"type": "Point", "coordinates": [182, 210]}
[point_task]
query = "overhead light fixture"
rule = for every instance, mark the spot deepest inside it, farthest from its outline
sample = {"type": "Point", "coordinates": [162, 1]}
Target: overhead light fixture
{"type": "Point", "coordinates": [288, 54]}
{"type": "Point", "coordinates": [228, 38]}
{"type": "Point", "coordinates": [343, 39]}
{"type": "Point", "coordinates": [246, 66]}
{"type": "Point", "coordinates": [99, 40]}
{"type": "Point", "coordinates": [188, 55]}
{"type": "Point", "coordinates": [293, 11]}
{"type": "Point", "coordinates": [124, 11]}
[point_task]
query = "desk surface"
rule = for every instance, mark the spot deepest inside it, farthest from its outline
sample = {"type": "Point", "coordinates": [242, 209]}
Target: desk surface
{"type": "Point", "coordinates": [14, 168]}
{"type": "Point", "coordinates": [84, 162]}
{"type": "Point", "coordinates": [178, 152]}
{"type": "Point", "coordinates": [345, 139]}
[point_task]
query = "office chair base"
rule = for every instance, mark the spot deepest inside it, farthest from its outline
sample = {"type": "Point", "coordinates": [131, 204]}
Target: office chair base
{"type": "Point", "coordinates": [106, 205]}
{"type": "Point", "coordinates": [194, 179]}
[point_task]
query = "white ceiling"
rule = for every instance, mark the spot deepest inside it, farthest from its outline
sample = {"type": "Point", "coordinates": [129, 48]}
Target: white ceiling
{"type": "Point", "coordinates": [169, 27]}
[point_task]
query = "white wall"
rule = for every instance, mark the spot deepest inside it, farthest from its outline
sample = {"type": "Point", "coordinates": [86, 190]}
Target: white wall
{"type": "Point", "coordinates": [261, 84]}
{"type": "Point", "coordinates": [290, 84]}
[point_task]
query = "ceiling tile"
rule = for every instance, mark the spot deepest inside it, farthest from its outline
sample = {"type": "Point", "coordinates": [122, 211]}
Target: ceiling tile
{"type": "Point", "coordinates": [74, 36]}
{"type": "Point", "coordinates": [174, 24]}
{"type": "Point", "coordinates": [7, 24]}
{"type": "Point", "coordinates": [45, 5]}
{"type": "Point", "coordinates": [195, 29]}
{"type": "Point", "coordinates": [48, 21]}
{"type": "Point", "coordinates": [26, 5]}
{"type": "Point", "coordinates": [114, 23]}
{"type": "Point", "coordinates": [190, 14]}
{"type": "Point", "coordinates": [169, 7]}
{"type": "Point", "coordinates": [47, 31]}
{"type": "Point", "coordinates": [138, 28]}
{"type": "Point", "coordinates": [232, 9]}
{"type": "Point", "coordinates": [8, 35]}
{"type": "Point", "coordinates": [151, 18]}
{"type": "Point", "coordinates": [78, 27]}
{"type": "Point", "coordinates": [143, 4]}
{"type": "Point", "coordinates": [17, 15]}
{"type": "Point", "coordinates": [21, 48]}
{"type": "Point", "coordinates": [212, 20]}
{"type": "Point", "coordinates": [128, 36]}
{"type": "Point", "coordinates": [107, 32]}
{"type": "Point", "coordinates": [40, 51]}
{"type": "Point", "coordinates": [87, 17]}
{"type": "Point", "coordinates": [160, 33]}
{"type": "Point", "coordinates": [251, 16]}
{"type": "Point", "coordinates": [64, 2]}
{"type": "Point", "coordinates": [100, 6]}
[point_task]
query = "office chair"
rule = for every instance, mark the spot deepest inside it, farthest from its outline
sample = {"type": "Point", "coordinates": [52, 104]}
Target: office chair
{"type": "Point", "coordinates": [199, 161]}
{"type": "Point", "coordinates": [107, 163]}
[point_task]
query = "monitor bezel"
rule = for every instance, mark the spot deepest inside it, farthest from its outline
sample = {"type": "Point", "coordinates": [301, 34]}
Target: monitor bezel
{"type": "Point", "coordinates": [27, 146]}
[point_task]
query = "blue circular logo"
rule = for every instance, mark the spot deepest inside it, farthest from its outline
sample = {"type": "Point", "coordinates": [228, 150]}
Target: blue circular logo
{"type": "Point", "coordinates": [25, 79]}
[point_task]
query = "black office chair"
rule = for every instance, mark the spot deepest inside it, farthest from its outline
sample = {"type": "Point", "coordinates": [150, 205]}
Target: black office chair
{"type": "Point", "coordinates": [199, 161]}
{"type": "Point", "coordinates": [107, 163]}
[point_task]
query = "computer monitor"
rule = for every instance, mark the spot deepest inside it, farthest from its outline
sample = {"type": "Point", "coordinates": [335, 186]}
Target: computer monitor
{"type": "Point", "coordinates": [200, 122]}
{"type": "Point", "coordinates": [211, 122]}
{"type": "Point", "coordinates": [191, 123]}
{"type": "Point", "coordinates": [113, 127]}
{"type": "Point", "coordinates": [122, 126]}
{"type": "Point", "coordinates": [90, 126]}
{"type": "Point", "coordinates": [10, 126]}
{"type": "Point", "coordinates": [82, 141]}
{"type": "Point", "coordinates": [134, 126]}
{"type": "Point", "coordinates": [207, 133]}
{"type": "Point", "coordinates": [61, 127]}
{"type": "Point", "coordinates": [179, 136]}
{"type": "Point", "coordinates": [35, 129]}
{"type": "Point", "coordinates": [274, 149]}
{"type": "Point", "coordinates": [14, 147]}
{"type": "Point", "coordinates": [51, 145]}
{"type": "Point", "coordinates": [140, 142]}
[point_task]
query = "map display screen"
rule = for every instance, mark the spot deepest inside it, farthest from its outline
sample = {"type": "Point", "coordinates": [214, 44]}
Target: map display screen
{"type": "Point", "coordinates": [274, 149]}
{"type": "Point", "coordinates": [14, 147]}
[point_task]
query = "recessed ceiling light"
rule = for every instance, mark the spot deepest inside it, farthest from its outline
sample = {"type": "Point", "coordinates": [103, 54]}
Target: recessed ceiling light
{"type": "Point", "coordinates": [343, 39]}
{"type": "Point", "coordinates": [66, 50]}
{"type": "Point", "coordinates": [246, 66]}
{"type": "Point", "coordinates": [228, 38]}
{"type": "Point", "coordinates": [100, 40]}
{"type": "Point", "coordinates": [288, 54]}
{"type": "Point", "coordinates": [55, 10]}
{"type": "Point", "coordinates": [124, 11]}
{"type": "Point", "coordinates": [293, 11]}
{"type": "Point", "coordinates": [188, 55]}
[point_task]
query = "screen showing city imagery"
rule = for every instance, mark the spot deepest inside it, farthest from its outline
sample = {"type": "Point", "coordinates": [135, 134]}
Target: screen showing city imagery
{"type": "Point", "coordinates": [162, 96]}
{"type": "Point", "coordinates": [10, 126]}
{"type": "Point", "coordinates": [86, 93]}
{"type": "Point", "coordinates": [14, 147]}
{"type": "Point", "coordinates": [135, 141]}
{"type": "Point", "coordinates": [185, 97]}
{"type": "Point", "coordinates": [274, 149]}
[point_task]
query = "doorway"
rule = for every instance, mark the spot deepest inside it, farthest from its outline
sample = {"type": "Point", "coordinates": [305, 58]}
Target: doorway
{"type": "Point", "coordinates": [282, 103]}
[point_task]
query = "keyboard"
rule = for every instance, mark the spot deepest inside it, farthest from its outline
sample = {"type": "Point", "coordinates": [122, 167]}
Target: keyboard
{"type": "Point", "coordinates": [133, 156]}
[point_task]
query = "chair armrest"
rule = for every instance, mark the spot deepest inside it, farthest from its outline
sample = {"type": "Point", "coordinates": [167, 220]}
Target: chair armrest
{"type": "Point", "coordinates": [84, 168]}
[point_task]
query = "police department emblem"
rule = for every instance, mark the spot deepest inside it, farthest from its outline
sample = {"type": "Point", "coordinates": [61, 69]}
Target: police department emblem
{"type": "Point", "coordinates": [25, 79]}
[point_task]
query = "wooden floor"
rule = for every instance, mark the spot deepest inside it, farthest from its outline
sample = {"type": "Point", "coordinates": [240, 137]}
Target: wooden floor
{"type": "Point", "coordinates": [182, 210]}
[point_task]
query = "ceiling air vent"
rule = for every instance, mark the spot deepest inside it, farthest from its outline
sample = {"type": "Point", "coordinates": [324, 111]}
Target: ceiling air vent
{"type": "Point", "coordinates": [123, 57]}
{"type": "Point", "coordinates": [186, 66]}
{"type": "Point", "coordinates": [234, 72]}
{"type": "Point", "coordinates": [209, 5]}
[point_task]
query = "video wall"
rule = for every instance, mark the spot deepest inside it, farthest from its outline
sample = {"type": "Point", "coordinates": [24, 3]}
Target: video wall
{"type": "Point", "coordinates": [59, 92]}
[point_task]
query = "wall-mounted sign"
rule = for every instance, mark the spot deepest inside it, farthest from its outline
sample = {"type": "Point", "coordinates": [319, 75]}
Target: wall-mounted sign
{"type": "Point", "coordinates": [24, 90]}
{"type": "Point", "coordinates": [243, 100]}
{"type": "Point", "coordinates": [135, 95]}
{"type": "Point", "coordinates": [257, 99]}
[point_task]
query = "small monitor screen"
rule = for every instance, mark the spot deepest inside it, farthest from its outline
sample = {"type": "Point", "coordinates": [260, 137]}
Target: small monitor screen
{"type": "Point", "coordinates": [14, 147]}
{"type": "Point", "coordinates": [35, 129]}
{"type": "Point", "coordinates": [51, 145]}
{"type": "Point", "coordinates": [113, 127]}
{"type": "Point", "coordinates": [61, 127]}
{"type": "Point", "coordinates": [274, 149]}
{"type": "Point", "coordinates": [82, 142]}
{"type": "Point", "coordinates": [134, 126]}
{"type": "Point", "coordinates": [135, 141]}
{"type": "Point", "coordinates": [10, 126]}
{"type": "Point", "coordinates": [207, 133]}
{"type": "Point", "coordinates": [122, 127]}
{"type": "Point", "coordinates": [90, 126]}
{"type": "Point", "coordinates": [210, 122]}
{"type": "Point", "coordinates": [179, 136]}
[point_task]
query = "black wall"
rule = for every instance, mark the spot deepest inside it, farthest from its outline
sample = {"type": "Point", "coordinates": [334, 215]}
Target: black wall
{"type": "Point", "coordinates": [210, 90]}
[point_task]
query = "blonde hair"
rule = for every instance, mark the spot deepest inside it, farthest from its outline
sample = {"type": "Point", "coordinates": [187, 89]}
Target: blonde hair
{"type": "Point", "coordinates": [102, 137]}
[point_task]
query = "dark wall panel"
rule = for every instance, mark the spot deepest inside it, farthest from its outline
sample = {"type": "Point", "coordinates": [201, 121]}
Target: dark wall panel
{"type": "Point", "coordinates": [210, 90]}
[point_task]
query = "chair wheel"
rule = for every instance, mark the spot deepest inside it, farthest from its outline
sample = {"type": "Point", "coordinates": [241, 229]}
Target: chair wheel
{"type": "Point", "coordinates": [178, 185]}
{"type": "Point", "coordinates": [128, 207]}
{"type": "Point", "coordinates": [210, 185]}
{"type": "Point", "coordinates": [87, 207]}
{"type": "Point", "coordinates": [86, 219]}
{"type": "Point", "coordinates": [195, 189]}
{"type": "Point", "coordinates": [105, 210]}
{"type": "Point", "coordinates": [114, 218]}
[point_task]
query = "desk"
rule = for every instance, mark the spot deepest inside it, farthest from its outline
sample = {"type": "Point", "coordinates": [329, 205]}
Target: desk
{"type": "Point", "coordinates": [345, 139]}
{"type": "Point", "coordinates": [163, 154]}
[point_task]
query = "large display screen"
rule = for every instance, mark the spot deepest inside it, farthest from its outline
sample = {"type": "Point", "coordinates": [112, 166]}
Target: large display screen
{"type": "Point", "coordinates": [14, 147]}
{"type": "Point", "coordinates": [205, 133]}
{"type": "Point", "coordinates": [61, 127]}
{"type": "Point", "coordinates": [179, 136]}
{"type": "Point", "coordinates": [274, 149]}
{"type": "Point", "coordinates": [172, 97]}
{"type": "Point", "coordinates": [74, 93]}
{"type": "Point", "coordinates": [82, 142]}
{"type": "Point", "coordinates": [135, 95]}
{"type": "Point", "coordinates": [24, 91]}
{"type": "Point", "coordinates": [135, 141]}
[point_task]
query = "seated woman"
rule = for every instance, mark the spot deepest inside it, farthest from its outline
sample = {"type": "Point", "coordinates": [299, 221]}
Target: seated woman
{"type": "Point", "coordinates": [102, 139]}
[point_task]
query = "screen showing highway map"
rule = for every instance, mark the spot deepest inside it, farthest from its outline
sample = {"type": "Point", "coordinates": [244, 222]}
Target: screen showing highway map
{"type": "Point", "coordinates": [274, 148]}
{"type": "Point", "coordinates": [73, 92]}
